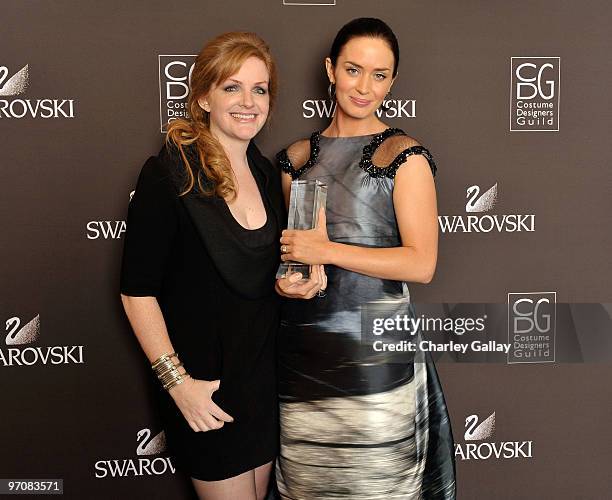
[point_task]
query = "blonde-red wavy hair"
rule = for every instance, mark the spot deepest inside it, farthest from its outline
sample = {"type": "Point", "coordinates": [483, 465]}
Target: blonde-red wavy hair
{"type": "Point", "coordinates": [220, 58]}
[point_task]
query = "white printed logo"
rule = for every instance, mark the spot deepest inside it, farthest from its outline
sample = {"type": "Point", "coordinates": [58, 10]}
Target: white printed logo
{"type": "Point", "coordinates": [17, 108]}
{"type": "Point", "coordinates": [147, 446]}
{"type": "Point", "coordinates": [107, 229]}
{"type": "Point", "coordinates": [475, 431]}
{"type": "Point", "coordinates": [27, 334]}
{"type": "Point", "coordinates": [532, 327]}
{"type": "Point", "coordinates": [485, 449]}
{"type": "Point", "coordinates": [35, 355]}
{"type": "Point", "coordinates": [395, 108]}
{"type": "Point", "coordinates": [484, 203]}
{"type": "Point", "coordinates": [534, 93]}
{"type": "Point", "coordinates": [16, 84]}
{"type": "Point", "coordinates": [500, 223]}
{"type": "Point", "coordinates": [174, 80]}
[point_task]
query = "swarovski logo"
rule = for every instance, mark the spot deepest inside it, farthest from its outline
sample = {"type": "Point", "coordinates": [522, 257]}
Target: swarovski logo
{"type": "Point", "coordinates": [16, 84]}
{"type": "Point", "coordinates": [475, 431]}
{"type": "Point", "coordinates": [484, 450]}
{"type": "Point", "coordinates": [479, 203]}
{"type": "Point", "coordinates": [484, 203]}
{"type": "Point", "coordinates": [392, 108]}
{"type": "Point", "coordinates": [18, 335]}
{"type": "Point", "coordinates": [27, 334]}
{"type": "Point", "coordinates": [30, 108]}
{"type": "Point", "coordinates": [107, 229]}
{"type": "Point", "coordinates": [147, 446]}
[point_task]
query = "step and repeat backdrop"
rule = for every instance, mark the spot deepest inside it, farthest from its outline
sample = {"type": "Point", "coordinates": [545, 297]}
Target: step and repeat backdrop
{"type": "Point", "coordinates": [513, 101]}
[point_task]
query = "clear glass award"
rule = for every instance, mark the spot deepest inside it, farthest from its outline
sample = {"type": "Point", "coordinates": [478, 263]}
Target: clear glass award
{"type": "Point", "coordinates": [305, 200]}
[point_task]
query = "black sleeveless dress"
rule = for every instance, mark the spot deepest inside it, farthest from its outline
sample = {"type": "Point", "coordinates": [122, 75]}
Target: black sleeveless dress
{"type": "Point", "coordinates": [214, 281]}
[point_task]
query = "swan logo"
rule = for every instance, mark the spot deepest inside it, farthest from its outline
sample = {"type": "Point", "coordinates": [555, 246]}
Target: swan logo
{"type": "Point", "coordinates": [475, 431]}
{"type": "Point", "coordinates": [478, 203]}
{"type": "Point", "coordinates": [32, 108]}
{"type": "Point", "coordinates": [127, 467]}
{"type": "Point", "coordinates": [395, 108]}
{"type": "Point", "coordinates": [534, 94]}
{"type": "Point", "coordinates": [482, 203]}
{"type": "Point", "coordinates": [482, 448]}
{"type": "Point", "coordinates": [16, 84]}
{"type": "Point", "coordinates": [29, 333]}
{"type": "Point", "coordinates": [174, 77]}
{"type": "Point", "coordinates": [532, 327]}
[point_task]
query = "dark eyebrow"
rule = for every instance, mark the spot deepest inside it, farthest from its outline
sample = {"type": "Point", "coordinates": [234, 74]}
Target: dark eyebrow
{"type": "Point", "coordinates": [238, 81]}
{"type": "Point", "coordinates": [361, 67]}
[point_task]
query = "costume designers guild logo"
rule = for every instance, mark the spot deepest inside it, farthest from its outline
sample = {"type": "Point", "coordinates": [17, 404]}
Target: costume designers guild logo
{"type": "Point", "coordinates": [147, 445]}
{"type": "Point", "coordinates": [16, 107]}
{"type": "Point", "coordinates": [174, 77]}
{"type": "Point", "coordinates": [534, 93]}
{"type": "Point", "coordinates": [391, 108]}
{"type": "Point", "coordinates": [532, 327]}
{"type": "Point", "coordinates": [18, 336]}
{"type": "Point", "coordinates": [481, 447]}
{"type": "Point", "coordinates": [478, 203]}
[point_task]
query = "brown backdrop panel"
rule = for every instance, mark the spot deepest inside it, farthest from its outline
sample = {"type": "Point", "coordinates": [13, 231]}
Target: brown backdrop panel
{"type": "Point", "coordinates": [83, 414]}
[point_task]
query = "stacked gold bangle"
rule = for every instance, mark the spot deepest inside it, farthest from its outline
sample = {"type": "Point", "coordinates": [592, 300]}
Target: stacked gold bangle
{"type": "Point", "coordinates": [167, 370]}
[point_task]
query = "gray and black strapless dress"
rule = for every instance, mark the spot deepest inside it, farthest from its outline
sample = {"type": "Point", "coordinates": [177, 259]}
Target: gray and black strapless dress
{"type": "Point", "coordinates": [355, 423]}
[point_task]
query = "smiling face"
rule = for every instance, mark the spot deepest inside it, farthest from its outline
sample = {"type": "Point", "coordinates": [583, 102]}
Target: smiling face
{"type": "Point", "coordinates": [239, 105]}
{"type": "Point", "coordinates": [363, 76]}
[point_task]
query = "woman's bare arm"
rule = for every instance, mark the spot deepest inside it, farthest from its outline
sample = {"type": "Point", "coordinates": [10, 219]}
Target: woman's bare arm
{"type": "Point", "coordinates": [193, 397]}
{"type": "Point", "coordinates": [148, 325]}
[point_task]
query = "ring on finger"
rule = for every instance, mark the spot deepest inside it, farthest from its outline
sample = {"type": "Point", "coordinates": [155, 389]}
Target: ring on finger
{"type": "Point", "coordinates": [283, 248]}
{"type": "Point", "coordinates": [321, 293]}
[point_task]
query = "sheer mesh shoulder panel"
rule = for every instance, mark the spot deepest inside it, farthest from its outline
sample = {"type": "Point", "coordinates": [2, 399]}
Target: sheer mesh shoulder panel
{"type": "Point", "coordinates": [300, 156]}
{"type": "Point", "coordinates": [392, 153]}
{"type": "Point", "coordinates": [390, 148]}
{"type": "Point", "coordinates": [299, 153]}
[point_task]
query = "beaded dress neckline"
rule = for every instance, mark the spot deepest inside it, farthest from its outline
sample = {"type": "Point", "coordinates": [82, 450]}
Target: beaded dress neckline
{"type": "Point", "coordinates": [366, 158]}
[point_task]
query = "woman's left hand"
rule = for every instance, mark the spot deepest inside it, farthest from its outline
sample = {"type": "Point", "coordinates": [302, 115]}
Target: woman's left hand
{"type": "Point", "coordinates": [307, 246]}
{"type": "Point", "coordinates": [294, 287]}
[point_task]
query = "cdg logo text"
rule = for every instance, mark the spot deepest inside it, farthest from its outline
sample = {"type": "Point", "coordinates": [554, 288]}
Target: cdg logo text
{"type": "Point", "coordinates": [526, 81]}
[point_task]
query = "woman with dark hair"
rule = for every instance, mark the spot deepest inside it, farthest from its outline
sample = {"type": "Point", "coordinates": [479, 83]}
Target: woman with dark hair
{"type": "Point", "coordinates": [358, 423]}
{"type": "Point", "coordinates": [197, 279]}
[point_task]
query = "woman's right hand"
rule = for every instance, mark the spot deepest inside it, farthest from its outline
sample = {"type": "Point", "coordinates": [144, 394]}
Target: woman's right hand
{"type": "Point", "coordinates": [194, 398]}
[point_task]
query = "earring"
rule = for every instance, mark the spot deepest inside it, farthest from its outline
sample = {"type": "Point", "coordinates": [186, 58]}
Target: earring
{"type": "Point", "coordinates": [331, 91]}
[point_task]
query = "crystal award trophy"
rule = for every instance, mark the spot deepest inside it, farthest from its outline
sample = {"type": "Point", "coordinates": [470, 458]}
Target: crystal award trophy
{"type": "Point", "coordinates": [305, 200]}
